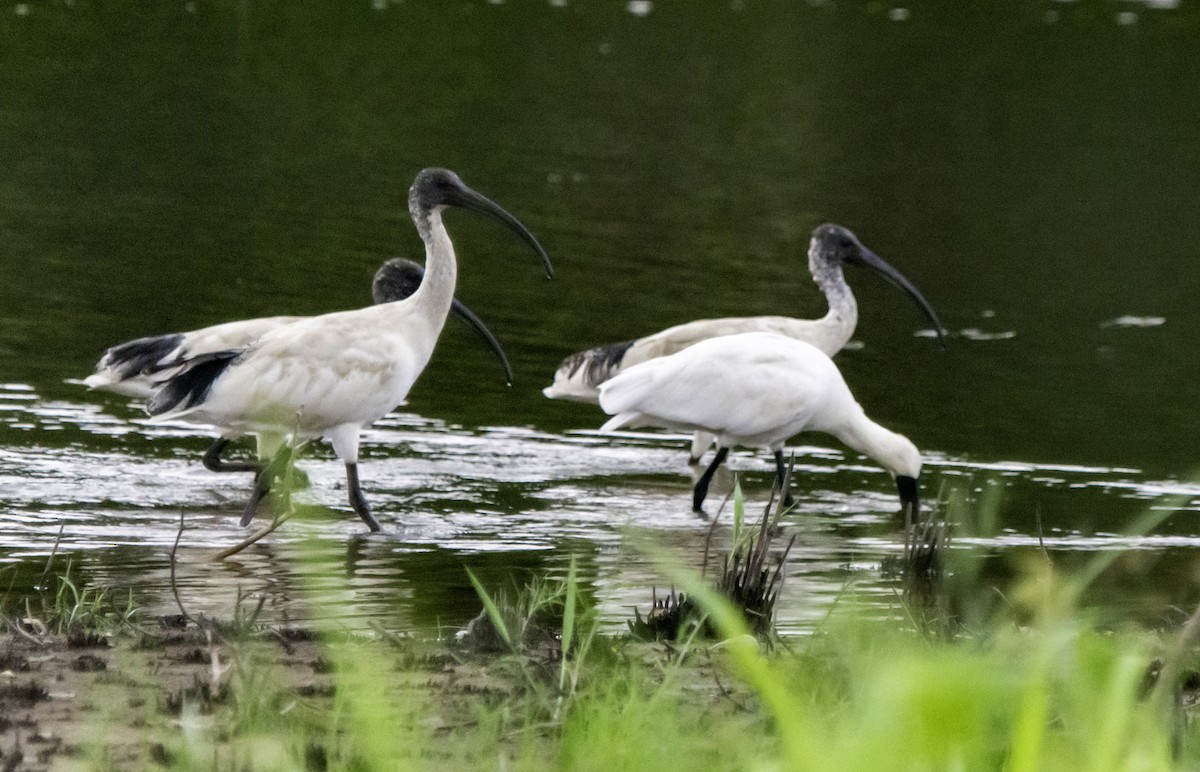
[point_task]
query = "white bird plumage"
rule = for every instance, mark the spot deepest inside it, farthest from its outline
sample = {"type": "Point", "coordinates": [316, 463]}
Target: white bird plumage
{"type": "Point", "coordinates": [831, 247]}
{"type": "Point", "coordinates": [330, 376]}
{"type": "Point", "coordinates": [137, 367]}
{"type": "Point", "coordinates": [755, 389]}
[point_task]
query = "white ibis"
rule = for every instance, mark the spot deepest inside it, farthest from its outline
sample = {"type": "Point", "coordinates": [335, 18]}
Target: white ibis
{"type": "Point", "coordinates": [332, 375]}
{"type": "Point", "coordinates": [135, 368]}
{"type": "Point", "coordinates": [756, 389]}
{"type": "Point", "coordinates": [832, 246]}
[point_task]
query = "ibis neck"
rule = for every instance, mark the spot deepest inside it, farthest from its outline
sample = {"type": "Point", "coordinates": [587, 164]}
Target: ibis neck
{"type": "Point", "coordinates": [842, 317]}
{"type": "Point", "coordinates": [433, 297]}
{"type": "Point", "coordinates": [892, 451]}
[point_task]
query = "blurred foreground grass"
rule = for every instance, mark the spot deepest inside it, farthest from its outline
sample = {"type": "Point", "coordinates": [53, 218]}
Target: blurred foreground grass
{"type": "Point", "coordinates": [1029, 683]}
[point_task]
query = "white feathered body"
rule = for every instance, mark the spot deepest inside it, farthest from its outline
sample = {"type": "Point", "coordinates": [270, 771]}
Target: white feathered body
{"type": "Point", "coordinates": [579, 376]}
{"type": "Point", "coordinates": [327, 376]}
{"type": "Point", "coordinates": [755, 389]}
{"type": "Point", "coordinates": [345, 368]}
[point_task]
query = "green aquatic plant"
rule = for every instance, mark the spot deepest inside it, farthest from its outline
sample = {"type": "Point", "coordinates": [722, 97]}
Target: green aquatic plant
{"type": "Point", "coordinates": [81, 613]}
{"type": "Point", "coordinates": [745, 577]}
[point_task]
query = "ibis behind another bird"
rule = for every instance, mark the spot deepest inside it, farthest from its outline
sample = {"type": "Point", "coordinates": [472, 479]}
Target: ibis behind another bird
{"type": "Point", "coordinates": [330, 376]}
{"type": "Point", "coordinates": [755, 389]}
{"type": "Point", "coordinates": [832, 246]}
{"type": "Point", "coordinates": [135, 368]}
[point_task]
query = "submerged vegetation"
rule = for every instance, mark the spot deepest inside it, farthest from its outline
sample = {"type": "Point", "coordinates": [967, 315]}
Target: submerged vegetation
{"type": "Point", "coordinates": [1032, 683]}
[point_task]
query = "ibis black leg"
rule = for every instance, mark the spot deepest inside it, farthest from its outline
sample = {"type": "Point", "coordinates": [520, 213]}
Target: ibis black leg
{"type": "Point", "coordinates": [262, 486]}
{"type": "Point", "coordinates": [357, 500]}
{"type": "Point", "coordinates": [276, 469]}
{"type": "Point", "coordinates": [781, 473]}
{"type": "Point", "coordinates": [702, 484]}
{"type": "Point", "coordinates": [214, 463]}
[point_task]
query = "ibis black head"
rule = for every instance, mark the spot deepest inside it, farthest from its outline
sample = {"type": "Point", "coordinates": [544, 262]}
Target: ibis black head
{"type": "Point", "coordinates": [398, 279]}
{"type": "Point", "coordinates": [834, 245]}
{"type": "Point", "coordinates": [435, 188]}
{"type": "Point", "coordinates": [910, 497]}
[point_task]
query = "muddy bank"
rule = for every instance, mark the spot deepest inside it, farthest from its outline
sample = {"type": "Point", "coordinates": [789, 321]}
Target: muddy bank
{"type": "Point", "coordinates": [94, 700]}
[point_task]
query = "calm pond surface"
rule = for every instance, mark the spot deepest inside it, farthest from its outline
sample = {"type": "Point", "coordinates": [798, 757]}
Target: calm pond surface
{"type": "Point", "coordinates": [1030, 166]}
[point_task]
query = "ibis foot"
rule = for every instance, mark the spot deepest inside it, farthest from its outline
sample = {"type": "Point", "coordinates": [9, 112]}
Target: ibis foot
{"type": "Point", "coordinates": [357, 500]}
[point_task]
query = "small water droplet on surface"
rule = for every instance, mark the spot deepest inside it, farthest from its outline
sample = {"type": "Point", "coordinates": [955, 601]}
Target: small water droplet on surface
{"type": "Point", "coordinates": [1130, 321]}
{"type": "Point", "coordinates": [639, 7]}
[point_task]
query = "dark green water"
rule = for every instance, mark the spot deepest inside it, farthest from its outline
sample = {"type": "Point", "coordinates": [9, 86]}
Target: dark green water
{"type": "Point", "coordinates": [1030, 165]}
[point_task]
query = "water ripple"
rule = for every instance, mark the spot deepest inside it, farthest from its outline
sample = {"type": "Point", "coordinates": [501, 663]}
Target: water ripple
{"type": "Point", "coordinates": [116, 485]}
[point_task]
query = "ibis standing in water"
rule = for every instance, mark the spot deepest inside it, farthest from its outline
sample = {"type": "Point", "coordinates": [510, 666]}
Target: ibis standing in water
{"type": "Point", "coordinates": [135, 368]}
{"type": "Point", "coordinates": [755, 389]}
{"type": "Point", "coordinates": [832, 246]}
{"type": "Point", "coordinates": [330, 376]}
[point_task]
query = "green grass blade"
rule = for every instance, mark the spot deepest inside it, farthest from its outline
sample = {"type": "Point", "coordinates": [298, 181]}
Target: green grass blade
{"type": "Point", "coordinates": [739, 513]}
{"type": "Point", "coordinates": [568, 625]}
{"type": "Point", "coordinates": [493, 611]}
{"type": "Point", "coordinates": [742, 646]}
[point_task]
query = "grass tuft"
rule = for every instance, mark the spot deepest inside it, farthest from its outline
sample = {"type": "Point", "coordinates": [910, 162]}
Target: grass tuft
{"type": "Point", "coordinates": [746, 580]}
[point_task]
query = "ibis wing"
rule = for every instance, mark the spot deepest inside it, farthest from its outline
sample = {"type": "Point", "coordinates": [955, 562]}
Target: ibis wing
{"type": "Point", "coordinates": [639, 387]}
{"type": "Point", "coordinates": [221, 337]}
{"type": "Point", "coordinates": [136, 367]}
{"type": "Point", "coordinates": [675, 339]}
{"type": "Point", "coordinates": [121, 366]}
{"type": "Point", "coordinates": [743, 385]}
{"type": "Point", "coordinates": [680, 391]}
{"type": "Point", "coordinates": [190, 382]}
{"type": "Point", "coordinates": [580, 374]}
{"type": "Point", "coordinates": [308, 376]}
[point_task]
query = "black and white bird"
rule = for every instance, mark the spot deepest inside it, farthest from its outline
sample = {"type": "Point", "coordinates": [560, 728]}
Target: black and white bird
{"type": "Point", "coordinates": [330, 376]}
{"type": "Point", "coordinates": [755, 389]}
{"type": "Point", "coordinates": [832, 246]}
{"type": "Point", "coordinates": [137, 367]}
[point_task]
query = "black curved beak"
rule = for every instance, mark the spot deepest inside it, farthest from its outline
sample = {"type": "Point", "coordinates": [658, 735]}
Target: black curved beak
{"type": "Point", "coordinates": [884, 269]}
{"type": "Point", "coordinates": [469, 199]}
{"type": "Point", "coordinates": [910, 498]}
{"type": "Point", "coordinates": [477, 324]}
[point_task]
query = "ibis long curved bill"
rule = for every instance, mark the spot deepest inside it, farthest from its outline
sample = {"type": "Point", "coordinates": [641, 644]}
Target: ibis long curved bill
{"type": "Point", "coordinates": [865, 256]}
{"type": "Point", "coordinates": [457, 193]}
{"type": "Point", "coordinates": [482, 330]}
{"type": "Point", "coordinates": [398, 279]}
